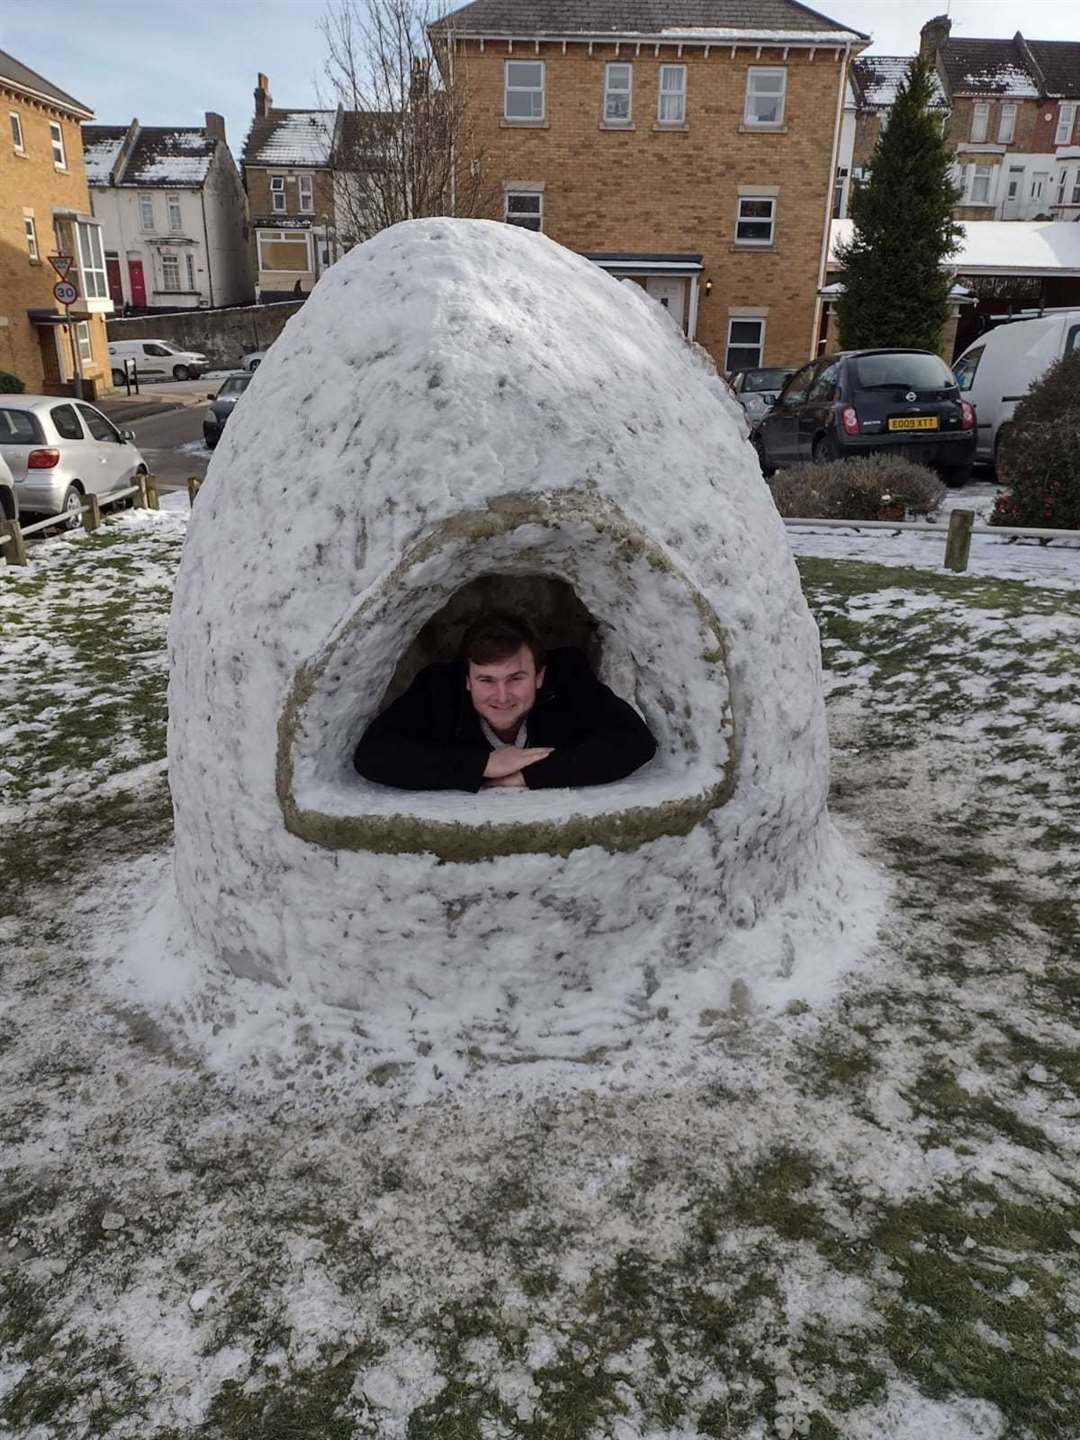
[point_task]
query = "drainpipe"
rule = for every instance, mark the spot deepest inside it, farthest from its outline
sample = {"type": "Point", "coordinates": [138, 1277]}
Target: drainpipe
{"type": "Point", "coordinates": [823, 265]}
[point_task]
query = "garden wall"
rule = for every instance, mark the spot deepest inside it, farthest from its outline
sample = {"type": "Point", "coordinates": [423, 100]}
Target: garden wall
{"type": "Point", "coordinates": [223, 336]}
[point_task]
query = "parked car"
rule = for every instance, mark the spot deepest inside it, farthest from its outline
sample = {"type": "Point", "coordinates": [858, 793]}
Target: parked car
{"type": "Point", "coordinates": [221, 405]}
{"type": "Point", "coordinates": [60, 450]}
{"type": "Point", "coordinates": [9, 500]}
{"type": "Point", "coordinates": [1000, 368]}
{"type": "Point", "coordinates": [859, 401]}
{"type": "Point", "coordinates": [254, 360]}
{"type": "Point", "coordinates": [757, 390]}
{"type": "Point", "coordinates": [156, 360]}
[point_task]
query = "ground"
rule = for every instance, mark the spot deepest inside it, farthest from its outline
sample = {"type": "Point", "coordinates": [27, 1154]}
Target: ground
{"type": "Point", "coordinates": [861, 1220]}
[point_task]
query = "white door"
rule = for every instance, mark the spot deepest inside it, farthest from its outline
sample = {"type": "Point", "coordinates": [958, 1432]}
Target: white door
{"type": "Point", "coordinates": [1014, 193]}
{"type": "Point", "coordinates": [671, 294]}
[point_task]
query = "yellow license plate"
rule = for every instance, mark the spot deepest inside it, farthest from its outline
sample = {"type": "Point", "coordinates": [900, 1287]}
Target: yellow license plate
{"type": "Point", "coordinates": [913, 422]}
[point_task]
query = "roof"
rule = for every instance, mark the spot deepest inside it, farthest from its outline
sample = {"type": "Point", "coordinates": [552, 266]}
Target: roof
{"type": "Point", "coordinates": [988, 67]}
{"type": "Point", "coordinates": [1059, 61]}
{"type": "Point", "coordinates": [878, 78]}
{"type": "Point", "coordinates": [1006, 247]}
{"type": "Point", "coordinates": [291, 137]}
{"type": "Point", "coordinates": [21, 77]}
{"type": "Point", "coordinates": [705, 20]}
{"type": "Point", "coordinates": [161, 155]}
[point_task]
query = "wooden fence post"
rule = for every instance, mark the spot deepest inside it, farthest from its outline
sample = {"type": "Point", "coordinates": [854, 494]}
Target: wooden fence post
{"type": "Point", "coordinates": [15, 549]}
{"type": "Point", "coordinates": [91, 514]}
{"type": "Point", "coordinates": [141, 501]}
{"type": "Point", "coordinates": [194, 485]}
{"type": "Point", "coordinates": [152, 500]}
{"type": "Point", "coordinates": [958, 544]}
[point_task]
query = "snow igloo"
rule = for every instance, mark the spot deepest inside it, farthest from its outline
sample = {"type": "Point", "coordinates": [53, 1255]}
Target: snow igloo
{"type": "Point", "coordinates": [466, 414]}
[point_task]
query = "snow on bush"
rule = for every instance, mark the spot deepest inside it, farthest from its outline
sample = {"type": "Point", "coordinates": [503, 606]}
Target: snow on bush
{"type": "Point", "coordinates": [461, 399]}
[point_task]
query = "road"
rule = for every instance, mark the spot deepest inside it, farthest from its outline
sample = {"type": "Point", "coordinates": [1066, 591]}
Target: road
{"type": "Point", "coordinates": [172, 446]}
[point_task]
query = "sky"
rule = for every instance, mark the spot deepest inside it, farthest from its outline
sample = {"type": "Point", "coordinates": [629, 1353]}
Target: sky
{"type": "Point", "coordinates": [167, 63]}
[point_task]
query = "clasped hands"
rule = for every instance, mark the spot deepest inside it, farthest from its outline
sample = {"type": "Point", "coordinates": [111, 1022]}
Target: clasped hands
{"type": "Point", "coordinates": [504, 767]}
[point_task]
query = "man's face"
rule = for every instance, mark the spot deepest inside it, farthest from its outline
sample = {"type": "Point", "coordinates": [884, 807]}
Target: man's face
{"type": "Point", "coordinates": [504, 691]}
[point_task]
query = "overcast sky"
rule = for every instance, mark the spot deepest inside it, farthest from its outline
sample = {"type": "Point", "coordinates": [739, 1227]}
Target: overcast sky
{"type": "Point", "coordinates": [168, 62]}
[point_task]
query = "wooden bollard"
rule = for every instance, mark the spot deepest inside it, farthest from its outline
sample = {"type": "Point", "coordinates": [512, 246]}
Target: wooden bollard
{"type": "Point", "coordinates": [141, 500]}
{"type": "Point", "coordinates": [15, 550]}
{"type": "Point", "coordinates": [153, 501]}
{"type": "Point", "coordinates": [958, 545]}
{"type": "Point", "coordinates": [194, 485]}
{"type": "Point", "coordinates": [91, 514]}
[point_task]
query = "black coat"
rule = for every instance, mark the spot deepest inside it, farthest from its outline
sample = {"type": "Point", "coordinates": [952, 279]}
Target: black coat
{"type": "Point", "coordinates": [430, 737]}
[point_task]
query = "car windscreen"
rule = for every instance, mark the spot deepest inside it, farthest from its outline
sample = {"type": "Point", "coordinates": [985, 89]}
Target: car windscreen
{"type": "Point", "coordinates": [235, 385]}
{"type": "Point", "coordinates": [18, 427]}
{"type": "Point", "coordinates": [757, 380]}
{"type": "Point", "coordinates": [912, 370]}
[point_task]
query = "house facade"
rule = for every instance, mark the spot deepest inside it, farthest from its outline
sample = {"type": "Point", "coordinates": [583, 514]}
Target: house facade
{"type": "Point", "coordinates": [288, 175]}
{"type": "Point", "coordinates": [690, 147]}
{"type": "Point", "coordinates": [44, 210]}
{"type": "Point", "coordinates": [872, 85]}
{"type": "Point", "coordinates": [173, 215]}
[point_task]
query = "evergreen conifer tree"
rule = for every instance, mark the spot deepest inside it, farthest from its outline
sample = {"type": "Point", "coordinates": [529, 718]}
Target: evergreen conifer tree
{"type": "Point", "coordinates": [896, 292]}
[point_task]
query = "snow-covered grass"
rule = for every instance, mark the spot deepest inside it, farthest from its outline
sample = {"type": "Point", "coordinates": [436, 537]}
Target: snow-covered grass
{"type": "Point", "coordinates": [861, 1221]}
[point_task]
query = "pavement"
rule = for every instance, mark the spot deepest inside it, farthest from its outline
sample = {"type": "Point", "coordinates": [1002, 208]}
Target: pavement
{"type": "Point", "coordinates": [158, 399]}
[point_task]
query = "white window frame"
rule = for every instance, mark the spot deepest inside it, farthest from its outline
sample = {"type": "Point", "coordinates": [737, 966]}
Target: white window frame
{"type": "Point", "coordinates": [176, 214]}
{"type": "Point", "coordinates": [522, 192]}
{"type": "Point", "coordinates": [676, 93]}
{"type": "Point", "coordinates": [538, 95]}
{"type": "Point", "coordinates": [305, 194]}
{"type": "Point", "coordinates": [92, 268]}
{"type": "Point", "coordinates": [30, 227]}
{"type": "Point", "coordinates": [750, 118]}
{"type": "Point", "coordinates": [146, 209]}
{"type": "Point", "coordinates": [618, 93]}
{"type": "Point", "coordinates": [741, 219]}
{"type": "Point", "coordinates": [1066, 122]}
{"type": "Point", "coordinates": [56, 139]}
{"type": "Point", "coordinates": [189, 265]}
{"type": "Point", "coordinates": [277, 188]}
{"type": "Point", "coordinates": [1076, 188]}
{"type": "Point", "coordinates": [980, 122]}
{"type": "Point", "coordinates": [278, 237]}
{"type": "Point", "coordinates": [1038, 181]}
{"type": "Point", "coordinates": [980, 172]}
{"type": "Point", "coordinates": [733, 320]}
{"type": "Point", "coordinates": [82, 339]}
{"type": "Point", "coordinates": [18, 139]}
{"type": "Point", "coordinates": [169, 262]}
{"type": "Point", "coordinates": [1006, 131]}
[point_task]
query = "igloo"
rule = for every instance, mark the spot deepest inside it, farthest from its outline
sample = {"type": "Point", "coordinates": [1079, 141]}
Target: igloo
{"type": "Point", "coordinates": [463, 412]}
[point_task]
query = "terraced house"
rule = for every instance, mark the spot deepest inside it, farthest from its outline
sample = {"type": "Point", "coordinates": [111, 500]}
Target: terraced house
{"type": "Point", "coordinates": [689, 145]}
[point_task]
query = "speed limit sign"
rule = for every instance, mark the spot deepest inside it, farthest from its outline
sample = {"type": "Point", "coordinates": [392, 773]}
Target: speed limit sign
{"type": "Point", "coordinates": [65, 292]}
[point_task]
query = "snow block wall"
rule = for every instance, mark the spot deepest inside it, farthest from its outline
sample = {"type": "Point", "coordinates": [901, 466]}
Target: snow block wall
{"type": "Point", "coordinates": [460, 400]}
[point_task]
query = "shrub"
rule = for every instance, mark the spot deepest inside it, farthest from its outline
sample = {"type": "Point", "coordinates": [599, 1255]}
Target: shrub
{"type": "Point", "coordinates": [1039, 457]}
{"type": "Point", "coordinates": [10, 384]}
{"type": "Point", "coordinates": [856, 489]}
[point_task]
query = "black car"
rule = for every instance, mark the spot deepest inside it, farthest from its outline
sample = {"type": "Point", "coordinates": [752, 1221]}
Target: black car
{"type": "Point", "coordinates": [904, 401]}
{"type": "Point", "coordinates": [221, 406]}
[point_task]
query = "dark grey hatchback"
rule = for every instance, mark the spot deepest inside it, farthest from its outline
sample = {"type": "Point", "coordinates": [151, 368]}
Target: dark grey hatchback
{"type": "Point", "coordinates": [221, 406]}
{"type": "Point", "coordinates": [906, 402]}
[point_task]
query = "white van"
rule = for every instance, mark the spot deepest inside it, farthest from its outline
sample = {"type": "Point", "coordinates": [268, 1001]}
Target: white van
{"type": "Point", "coordinates": [1001, 367]}
{"type": "Point", "coordinates": [156, 360]}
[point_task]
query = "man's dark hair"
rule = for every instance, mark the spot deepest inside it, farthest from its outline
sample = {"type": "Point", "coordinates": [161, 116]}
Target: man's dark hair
{"type": "Point", "coordinates": [497, 637]}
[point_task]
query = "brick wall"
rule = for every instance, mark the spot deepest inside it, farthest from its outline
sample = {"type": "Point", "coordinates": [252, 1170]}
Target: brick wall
{"type": "Point", "coordinates": [1031, 133]}
{"type": "Point", "coordinates": [223, 336]}
{"type": "Point", "coordinates": [664, 191]}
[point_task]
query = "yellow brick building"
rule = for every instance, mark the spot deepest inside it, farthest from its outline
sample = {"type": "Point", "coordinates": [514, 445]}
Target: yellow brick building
{"type": "Point", "coordinates": [45, 210]}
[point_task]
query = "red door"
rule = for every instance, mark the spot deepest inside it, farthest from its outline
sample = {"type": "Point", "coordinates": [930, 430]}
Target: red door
{"type": "Point", "coordinates": [116, 289]}
{"type": "Point", "coordinates": [138, 284]}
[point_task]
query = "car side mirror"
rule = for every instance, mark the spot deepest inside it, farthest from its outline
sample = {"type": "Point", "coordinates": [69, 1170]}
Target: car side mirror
{"type": "Point", "coordinates": [127, 437]}
{"type": "Point", "coordinates": [210, 395]}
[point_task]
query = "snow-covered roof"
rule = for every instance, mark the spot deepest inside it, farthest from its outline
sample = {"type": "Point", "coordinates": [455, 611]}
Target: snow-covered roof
{"type": "Point", "coordinates": [988, 67]}
{"type": "Point", "coordinates": [878, 78]}
{"type": "Point", "coordinates": [781, 21]}
{"type": "Point", "coordinates": [160, 155]}
{"type": "Point", "coordinates": [101, 145]}
{"type": "Point", "coordinates": [1059, 63]}
{"type": "Point", "coordinates": [291, 137]}
{"type": "Point", "coordinates": [1005, 247]}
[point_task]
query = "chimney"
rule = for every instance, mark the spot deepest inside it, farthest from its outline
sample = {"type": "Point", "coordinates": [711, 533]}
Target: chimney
{"type": "Point", "coordinates": [933, 36]}
{"type": "Point", "coordinates": [215, 126]}
{"type": "Point", "coordinates": [263, 98]}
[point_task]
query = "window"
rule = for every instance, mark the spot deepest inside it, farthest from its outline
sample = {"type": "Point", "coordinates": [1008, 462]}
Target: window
{"type": "Point", "coordinates": [170, 272]}
{"type": "Point", "coordinates": [524, 90]}
{"type": "Point", "coordinates": [155, 350]}
{"type": "Point", "coordinates": [913, 369]}
{"type": "Point", "coordinates": [176, 221]}
{"type": "Point", "coordinates": [1076, 188]}
{"type": "Point", "coordinates": [56, 137]}
{"type": "Point", "coordinates": [98, 426]}
{"type": "Point", "coordinates": [525, 208]}
{"type": "Point", "coordinates": [618, 83]}
{"type": "Point", "coordinates": [18, 427]}
{"type": "Point", "coordinates": [827, 385]}
{"type": "Point", "coordinates": [306, 186]}
{"type": "Point", "coordinates": [16, 132]}
{"type": "Point", "coordinates": [965, 367]}
{"type": "Point", "coordinates": [66, 422]}
{"type": "Point", "coordinates": [746, 340]}
{"type": "Point", "coordinates": [283, 250]}
{"type": "Point", "coordinates": [981, 180]}
{"type": "Point", "coordinates": [95, 282]}
{"type": "Point", "coordinates": [278, 201]}
{"type": "Point", "coordinates": [671, 104]}
{"type": "Point", "coordinates": [756, 220]}
{"type": "Point", "coordinates": [31, 238]}
{"type": "Point", "coordinates": [765, 91]}
{"type": "Point", "coordinates": [82, 339]}
{"type": "Point", "coordinates": [839, 208]}
{"type": "Point", "coordinates": [1038, 180]}
{"type": "Point", "coordinates": [189, 263]}
{"type": "Point", "coordinates": [1006, 124]}
{"type": "Point", "coordinates": [1072, 340]}
{"type": "Point", "coordinates": [146, 211]}
{"type": "Point", "coordinates": [1066, 118]}
{"type": "Point", "coordinates": [980, 120]}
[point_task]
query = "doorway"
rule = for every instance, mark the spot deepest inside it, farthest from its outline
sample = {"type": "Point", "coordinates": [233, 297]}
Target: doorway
{"type": "Point", "coordinates": [138, 284]}
{"type": "Point", "coordinates": [671, 294]}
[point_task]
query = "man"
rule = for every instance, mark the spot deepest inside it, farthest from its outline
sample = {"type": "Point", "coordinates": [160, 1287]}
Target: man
{"type": "Point", "coordinates": [504, 716]}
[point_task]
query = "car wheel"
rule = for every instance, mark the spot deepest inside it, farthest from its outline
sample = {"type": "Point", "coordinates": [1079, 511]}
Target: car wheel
{"type": "Point", "coordinates": [955, 475]}
{"type": "Point", "coordinates": [825, 450]}
{"type": "Point", "coordinates": [759, 447]}
{"type": "Point", "coordinates": [71, 508]}
{"type": "Point", "coordinates": [118, 378]}
{"type": "Point", "coordinates": [181, 372]}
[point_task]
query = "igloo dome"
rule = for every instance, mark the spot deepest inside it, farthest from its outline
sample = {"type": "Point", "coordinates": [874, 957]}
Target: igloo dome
{"type": "Point", "coordinates": [465, 413]}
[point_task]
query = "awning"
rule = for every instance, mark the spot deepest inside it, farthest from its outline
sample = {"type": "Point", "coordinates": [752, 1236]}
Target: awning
{"type": "Point", "coordinates": [630, 264]}
{"type": "Point", "coordinates": [46, 317]}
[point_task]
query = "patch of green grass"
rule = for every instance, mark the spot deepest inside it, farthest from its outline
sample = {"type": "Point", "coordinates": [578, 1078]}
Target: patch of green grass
{"type": "Point", "coordinates": [959, 1112]}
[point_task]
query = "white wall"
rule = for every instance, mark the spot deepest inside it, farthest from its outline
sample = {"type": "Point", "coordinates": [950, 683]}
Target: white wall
{"type": "Point", "coordinates": [226, 219]}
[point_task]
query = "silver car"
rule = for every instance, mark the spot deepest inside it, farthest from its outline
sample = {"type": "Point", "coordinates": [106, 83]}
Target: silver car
{"type": "Point", "coordinates": [758, 390]}
{"type": "Point", "coordinates": [9, 501]}
{"type": "Point", "coordinates": [59, 450]}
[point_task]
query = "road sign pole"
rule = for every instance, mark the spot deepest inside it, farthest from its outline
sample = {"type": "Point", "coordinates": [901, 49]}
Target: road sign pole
{"type": "Point", "coordinates": [75, 354]}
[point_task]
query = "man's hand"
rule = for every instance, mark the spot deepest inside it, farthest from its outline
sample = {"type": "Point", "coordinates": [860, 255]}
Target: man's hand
{"type": "Point", "coordinates": [511, 761]}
